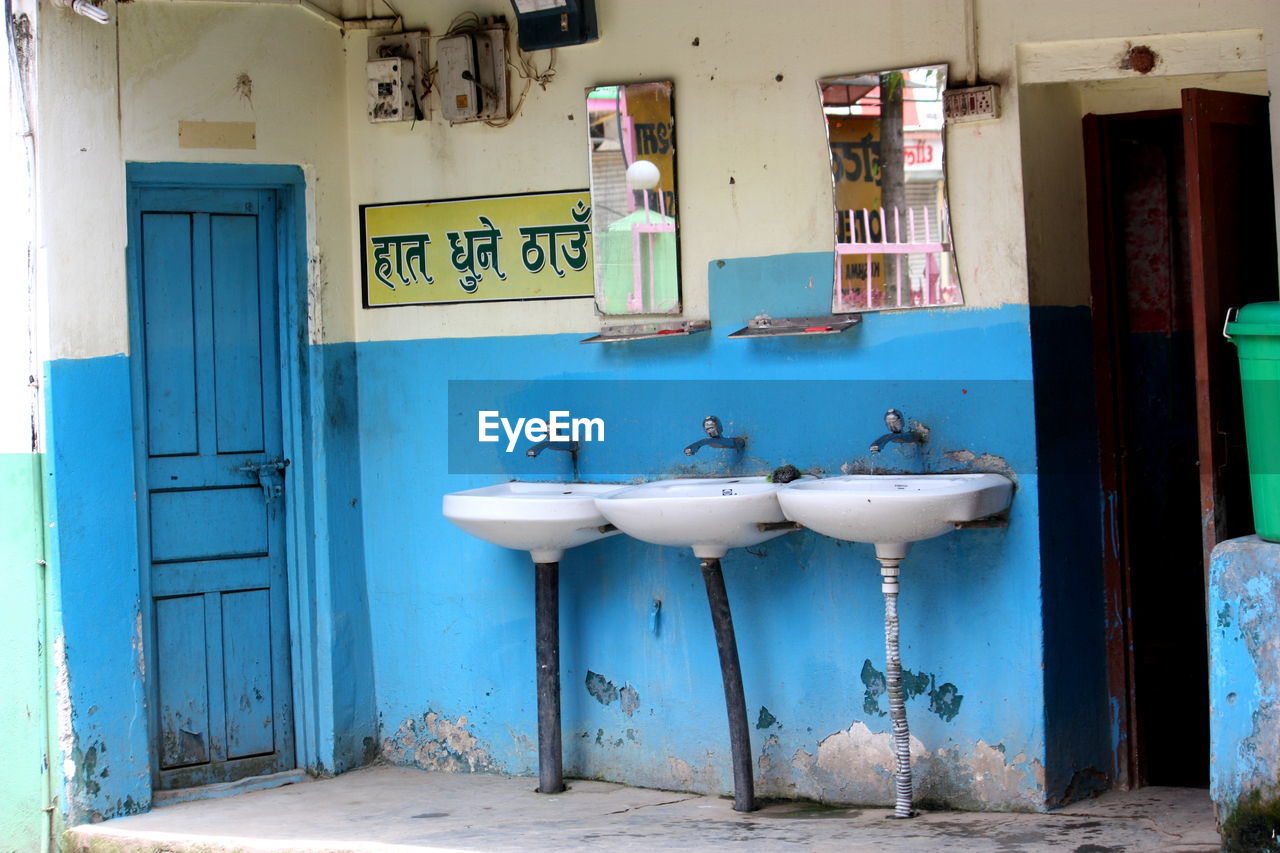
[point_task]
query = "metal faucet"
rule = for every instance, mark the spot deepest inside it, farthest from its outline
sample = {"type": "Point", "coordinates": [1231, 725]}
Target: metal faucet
{"type": "Point", "coordinates": [894, 420]}
{"type": "Point", "coordinates": [570, 447]}
{"type": "Point", "coordinates": [711, 425]}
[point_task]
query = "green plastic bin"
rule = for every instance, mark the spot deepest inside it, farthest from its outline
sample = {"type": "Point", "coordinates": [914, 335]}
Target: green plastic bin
{"type": "Point", "coordinates": [1255, 331]}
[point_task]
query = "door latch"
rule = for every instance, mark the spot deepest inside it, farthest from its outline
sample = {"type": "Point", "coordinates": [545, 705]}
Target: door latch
{"type": "Point", "coordinates": [270, 477]}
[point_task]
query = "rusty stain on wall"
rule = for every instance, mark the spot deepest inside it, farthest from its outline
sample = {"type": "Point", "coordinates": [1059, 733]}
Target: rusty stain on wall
{"type": "Point", "coordinates": [434, 742]}
{"type": "Point", "coordinates": [1139, 58]}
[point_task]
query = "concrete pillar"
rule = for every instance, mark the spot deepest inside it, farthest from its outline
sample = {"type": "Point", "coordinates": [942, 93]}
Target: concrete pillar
{"type": "Point", "coordinates": [1244, 691]}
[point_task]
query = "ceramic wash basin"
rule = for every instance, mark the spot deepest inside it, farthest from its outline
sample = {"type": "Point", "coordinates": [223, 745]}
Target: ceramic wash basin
{"type": "Point", "coordinates": [541, 518]}
{"type": "Point", "coordinates": [893, 510]}
{"type": "Point", "coordinates": [709, 515]}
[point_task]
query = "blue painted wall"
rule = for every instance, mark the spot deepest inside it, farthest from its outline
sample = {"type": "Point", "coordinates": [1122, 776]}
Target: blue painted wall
{"type": "Point", "coordinates": [340, 550]}
{"type": "Point", "coordinates": [93, 561]}
{"type": "Point", "coordinates": [101, 721]}
{"type": "Point", "coordinates": [442, 624]}
{"type": "Point", "coordinates": [453, 633]}
{"type": "Point", "coordinates": [1079, 728]}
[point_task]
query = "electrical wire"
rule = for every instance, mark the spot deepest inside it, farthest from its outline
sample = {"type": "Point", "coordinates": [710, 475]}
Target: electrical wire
{"type": "Point", "coordinates": [399, 22]}
{"type": "Point", "coordinates": [531, 75]}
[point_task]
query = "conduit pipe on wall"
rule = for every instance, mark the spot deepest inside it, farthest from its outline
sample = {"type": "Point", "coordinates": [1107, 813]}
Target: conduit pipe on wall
{"type": "Point", "coordinates": [369, 23]}
{"type": "Point", "coordinates": [86, 8]}
{"type": "Point", "coordinates": [970, 42]}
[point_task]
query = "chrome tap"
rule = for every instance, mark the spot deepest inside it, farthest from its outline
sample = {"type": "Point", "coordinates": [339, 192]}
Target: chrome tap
{"type": "Point", "coordinates": [894, 420]}
{"type": "Point", "coordinates": [711, 425]}
{"type": "Point", "coordinates": [570, 447]}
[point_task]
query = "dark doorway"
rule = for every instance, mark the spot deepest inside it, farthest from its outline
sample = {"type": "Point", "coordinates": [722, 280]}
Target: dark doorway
{"type": "Point", "coordinates": [1169, 244]}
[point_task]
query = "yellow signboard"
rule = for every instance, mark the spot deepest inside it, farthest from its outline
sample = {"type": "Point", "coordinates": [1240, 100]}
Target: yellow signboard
{"type": "Point", "coordinates": [477, 250]}
{"type": "Point", "coordinates": [855, 147]}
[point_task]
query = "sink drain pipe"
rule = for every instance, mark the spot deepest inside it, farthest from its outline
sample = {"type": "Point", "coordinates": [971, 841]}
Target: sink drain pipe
{"type": "Point", "coordinates": [731, 673]}
{"type": "Point", "coordinates": [547, 651]}
{"type": "Point", "coordinates": [893, 682]}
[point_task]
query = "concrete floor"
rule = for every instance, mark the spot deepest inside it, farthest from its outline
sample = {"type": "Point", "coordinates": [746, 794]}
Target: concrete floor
{"type": "Point", "coordinates": [398, 810]}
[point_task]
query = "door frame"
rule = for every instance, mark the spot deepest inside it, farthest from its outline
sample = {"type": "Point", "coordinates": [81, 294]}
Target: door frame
{"type": "Point", "coordinates": [1107, 313]}
{"type": "Point", "coordinates": [296, 389]}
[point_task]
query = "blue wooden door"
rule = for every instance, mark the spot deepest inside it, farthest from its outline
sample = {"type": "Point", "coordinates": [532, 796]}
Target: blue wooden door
{"type": "Point", "coordinates": [206, 330]}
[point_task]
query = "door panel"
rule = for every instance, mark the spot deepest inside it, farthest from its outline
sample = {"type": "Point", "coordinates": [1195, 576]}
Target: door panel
{"type": "Point", "coordinates": [246, 620]}
{"type": "Point", "coordinates": [183, 680]}
{"type": "Point", "coordinates": [237, 346]}
{"type": "Point", "coordinates": [233, 522]}
{"type": "Point", "coordinates": [170, 351]}
{"type": "Point", "coordinates": [1231, 218]}
{"type": "Point", "coordinates": [215, 537]}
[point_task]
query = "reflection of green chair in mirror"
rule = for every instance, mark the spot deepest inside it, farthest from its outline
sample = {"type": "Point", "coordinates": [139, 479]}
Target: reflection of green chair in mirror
{"type": "Point", "coordinates": [636, 255]}
{"type": "Point", "coordinates": [637, 264]}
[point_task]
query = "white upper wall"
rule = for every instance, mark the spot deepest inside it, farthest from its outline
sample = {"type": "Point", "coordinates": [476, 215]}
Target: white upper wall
{"type": "Point", "coordinates": [736, 120]}
{"type": "Point", "coordinates": [17, 297]}
{"type": "Point", "coordinates": [180, 61]}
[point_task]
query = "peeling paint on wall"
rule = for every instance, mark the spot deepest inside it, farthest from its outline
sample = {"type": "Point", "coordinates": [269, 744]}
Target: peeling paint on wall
{"type": "Point", "coordinates": [317, 283]}
{"type": "Point", "coordinates": [66, 731]}
{"type": "Point", "coordinates": [139, 656]}
{"type": "Point", "coordinates": [855, 766]}
{"type": "Point", "coordinates": [1244, 690]}
{"type": "Point", "coordinates": [434, 742]}
{"type": "Point", "coordinates": [944, 700]}
{"type": "Point", "coordinates": [689, 778]}
{"type": "Point", "coordinates": [602, 689]}
{"type": "Point", "coordinates": [628, 699]}
{"type": "Point", "coordinates": [989, 463]}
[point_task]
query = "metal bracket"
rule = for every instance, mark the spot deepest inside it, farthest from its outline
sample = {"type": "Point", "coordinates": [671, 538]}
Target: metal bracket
{"type": "Point", "coordinates": [991, 522]}
{"type": "Point", "coordinates": [612, 334]}
{"type": "Point", "coordinates": [762, 325]}
{"type": "Point", "coordinates": [766, 526]}
{"type": "Point", "coordinates": [266, 473]}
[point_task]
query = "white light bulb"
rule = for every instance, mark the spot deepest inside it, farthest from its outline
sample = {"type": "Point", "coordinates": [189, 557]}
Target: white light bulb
{"type": "Point", "coordinates": [643, 175]}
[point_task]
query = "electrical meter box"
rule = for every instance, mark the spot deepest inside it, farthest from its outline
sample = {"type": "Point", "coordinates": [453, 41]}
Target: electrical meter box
{"type": "Point", "coordinates": [491, 63]}
{"type": "Point", "coordinates": [472, 74]}
{"type": "Point", "coordinates": [456, 77]}
{"type": "Point", "coordinates": [391, 96]}
{"type": "Point", "coordinates": [398, 62]}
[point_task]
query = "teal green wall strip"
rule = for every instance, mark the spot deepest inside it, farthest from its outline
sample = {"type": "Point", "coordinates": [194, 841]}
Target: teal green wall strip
{"type": "Point", "coordinates": [22, 702]}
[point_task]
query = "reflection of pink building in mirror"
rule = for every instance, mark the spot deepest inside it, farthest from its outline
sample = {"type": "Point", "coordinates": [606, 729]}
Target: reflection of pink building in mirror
{"type": "Point", "coordinates": [926, 277]}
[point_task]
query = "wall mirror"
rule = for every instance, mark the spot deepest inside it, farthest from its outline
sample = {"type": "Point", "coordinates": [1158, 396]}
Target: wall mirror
{"type": "Point", "coordinates": [632, 143]}
{"type": "Point", "coordinates": [893, 233]}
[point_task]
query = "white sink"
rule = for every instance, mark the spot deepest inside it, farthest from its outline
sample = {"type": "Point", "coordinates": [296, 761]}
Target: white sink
{"type": "Point", "coordinates": [893, 510]}
{"type": "Point", "coordinates": [541, 518]}
{"type": "Point", "coordinates": [708, 515]}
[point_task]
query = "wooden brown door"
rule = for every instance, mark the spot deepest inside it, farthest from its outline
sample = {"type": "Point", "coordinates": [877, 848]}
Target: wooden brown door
{"type": "Point", "coordinates": [1232, 227]}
